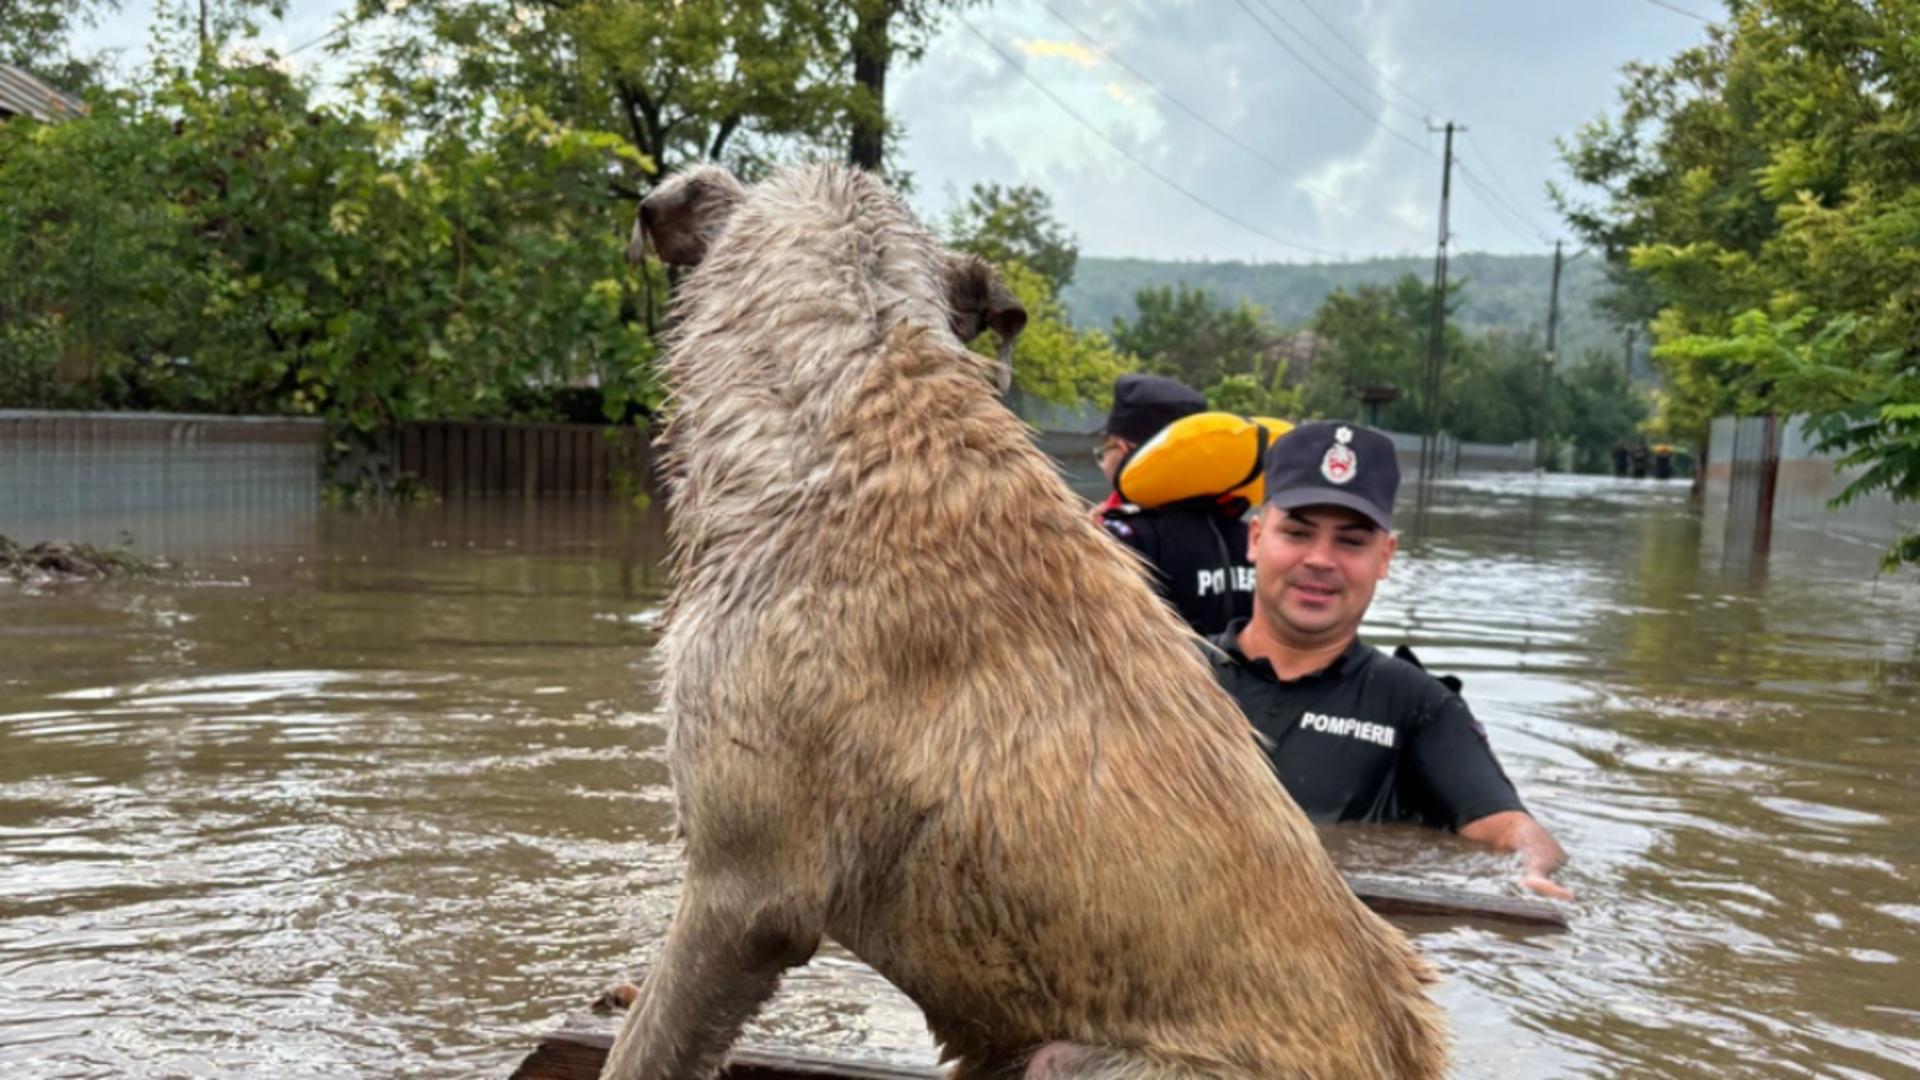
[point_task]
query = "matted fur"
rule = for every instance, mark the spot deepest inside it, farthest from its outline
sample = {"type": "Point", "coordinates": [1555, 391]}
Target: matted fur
{"type": "Point", "coordinates": [919, 703]}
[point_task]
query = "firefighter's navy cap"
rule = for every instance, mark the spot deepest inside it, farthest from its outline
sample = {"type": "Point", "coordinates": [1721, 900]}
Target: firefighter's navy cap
{"type": "Point", "coordinates": [1143, 404]}
{"type": "Point", "coordinates": [1334, 463]}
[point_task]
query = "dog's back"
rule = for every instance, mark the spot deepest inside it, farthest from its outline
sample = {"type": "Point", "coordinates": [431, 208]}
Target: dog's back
{"type": "Point", "coordinates": [922, 705]}
{"type": "Point", "coordinates": [1062, 828]}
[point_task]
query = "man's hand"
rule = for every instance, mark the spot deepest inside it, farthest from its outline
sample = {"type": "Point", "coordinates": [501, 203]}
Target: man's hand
{"type": "Point", "coordinates": [1540, 854]}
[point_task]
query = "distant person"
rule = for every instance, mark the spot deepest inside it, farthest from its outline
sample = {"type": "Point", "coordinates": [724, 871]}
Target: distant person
{"type": "Point", "coordinates": [1196, 547]}
{"type": "Point", "coordinates": [1640, 461]}
{"type": "Point", "coordinates": [1620, 458]}
{"type": "Point", "coordinates": [1354, 734]}
{"type": "Point", "coordinates": [1663, 462]}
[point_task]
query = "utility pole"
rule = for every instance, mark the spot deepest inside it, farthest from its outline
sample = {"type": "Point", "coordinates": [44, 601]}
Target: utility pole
{"type": "Point", "coordinates": [1546, 363]}
{"type": "Point", "coordinates": [1430, 439]}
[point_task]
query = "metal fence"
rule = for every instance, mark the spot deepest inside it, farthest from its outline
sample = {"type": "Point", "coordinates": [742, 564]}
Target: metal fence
{"type": "Point", "coordinates": [171, 483]}
{"type": "Point", "coordinates": [1764, 472]}
{"type": "Point", "coordinates": [464, 458]}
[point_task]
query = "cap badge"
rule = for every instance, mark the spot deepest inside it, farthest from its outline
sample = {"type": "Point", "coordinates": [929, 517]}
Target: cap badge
{"type": "Point", "coordinates": [1340, 464]}
{"type": "Point", "coordinates": [1343, 435]}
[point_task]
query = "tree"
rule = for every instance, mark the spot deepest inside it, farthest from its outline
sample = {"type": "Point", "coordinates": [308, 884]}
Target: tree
{"type": "Point", "coordinates": [224, 244]}
{"type": "Point", "coordinates": [1051, 360]}
{"type": "Point", "coordinates": [1595, 410]}
{"type": "Point", "coordinates": [37, 35]}
{"type": "Point", "coordinates": [1378, 336]}
{"type": "Point", "coordinates": [1180, 332]}
{"type": "Point", "coordinates": [1245, 395]}
{"type": "Point", "coordinates": [1014, 224]}
{"type": "Point", "coordinates": [880, 31]}
{"type": "Point", "coordinates": [742, 82]}
{"type": "Point", "coordinates": [1763, 192]}
{"type": "Point", "coordinates": [1497, 388]}
{"type": "Point", "coordinates": [1014, 229]}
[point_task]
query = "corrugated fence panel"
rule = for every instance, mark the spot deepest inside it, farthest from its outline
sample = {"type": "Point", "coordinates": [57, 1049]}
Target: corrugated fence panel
{"type": "Point", "coordinates": [175, 484]}
{"type": "Point", "coordinates": [462, 458]}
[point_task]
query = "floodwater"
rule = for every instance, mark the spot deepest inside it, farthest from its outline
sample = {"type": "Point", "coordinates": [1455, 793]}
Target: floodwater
{"type": "Point", "coordinates": [383, 794]}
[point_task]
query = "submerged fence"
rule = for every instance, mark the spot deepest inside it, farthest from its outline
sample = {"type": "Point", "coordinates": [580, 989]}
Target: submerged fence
{"type": "Point", "coordinates": [1764, 472]}
{"type": "Point", "coordinates": [463, 458]}
{"type": "Point", "coordinates": [180, 483]}
{"type": "Point", "coordinates": [170, 482]}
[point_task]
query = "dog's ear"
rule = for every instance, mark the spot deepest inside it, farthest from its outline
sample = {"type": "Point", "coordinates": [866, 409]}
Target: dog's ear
{"type": "Point", "coordinates": [978, 301]}
{"type": "Point", "coordinates": [683, 216]}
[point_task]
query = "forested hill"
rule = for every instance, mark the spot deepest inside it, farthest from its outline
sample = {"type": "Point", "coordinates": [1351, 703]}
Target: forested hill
{"type": "Point", "coordinates": [1502, 291]}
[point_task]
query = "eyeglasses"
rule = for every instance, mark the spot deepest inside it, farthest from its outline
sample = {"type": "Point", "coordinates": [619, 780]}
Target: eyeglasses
{"type": "Point", "coordinates": [1100, 452]}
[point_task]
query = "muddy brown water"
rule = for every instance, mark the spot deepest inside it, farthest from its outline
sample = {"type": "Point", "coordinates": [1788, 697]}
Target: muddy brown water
{"type": "Point", "coordinates": [373, 795]}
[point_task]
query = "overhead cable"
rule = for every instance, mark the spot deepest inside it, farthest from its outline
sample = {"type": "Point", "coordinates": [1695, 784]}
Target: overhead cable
{"type": "Point", "coordinates": [1371, 116]}
{"type": "Point", "coordinates": [1124, 152]}
{"type": "Point", "coordinates": [1279, 169]}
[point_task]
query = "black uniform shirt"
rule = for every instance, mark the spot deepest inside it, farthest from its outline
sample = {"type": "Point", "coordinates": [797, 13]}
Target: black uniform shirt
{"type": "Point", "coordinates": [1198, 550]}
{"type": "Point", "coordinates": [1368, 738]}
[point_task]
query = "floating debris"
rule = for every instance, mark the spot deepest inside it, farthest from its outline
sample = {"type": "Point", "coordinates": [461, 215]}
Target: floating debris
{"type": "Point", "coordinates": [61, 560]}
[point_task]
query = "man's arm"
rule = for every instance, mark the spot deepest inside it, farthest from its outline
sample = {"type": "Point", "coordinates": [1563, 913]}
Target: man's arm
{"type": "Point", "coordinates": [1540, 854]}
{"type": "Point", "coordinates": [1471, 794]}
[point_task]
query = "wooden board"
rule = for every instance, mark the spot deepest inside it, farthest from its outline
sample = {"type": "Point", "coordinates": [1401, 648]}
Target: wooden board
{"type": "Point", "coordinates": [1388, 897]}
{"type": "Point", "coordinates": [579, 1054]}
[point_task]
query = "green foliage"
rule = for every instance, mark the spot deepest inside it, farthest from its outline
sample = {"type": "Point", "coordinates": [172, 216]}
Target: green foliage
{"type": "Point", "coordinates": [223, 244]}
{"type": "Point", "coordinates": [1494, 387]}
{"type": "Point", "coordinates": [36, 35]}
{"type": "Point", "coordinates": [1052, 360]}
{"type": "Point", "coordinates": [742, 82]}
{"type": "Point", "coordinates": [1497, 389]}
{"type": "Point", "coordinates": [1014, 224]}
{"type": "Point", "coordinates": [1509, 291]}
{"type": "Point", "coordinates": [1182, 333]}
{"type": "Point", "coordinates": [1761, 194]}
{"type": "Point", "coordinates": [1372, 337]}
{"type": "Point", "coordinates": [1245, 395]}
{"type": "Point", "coordinates": [1865, 401]}
{"type": "Point", "coordinates": [1014, 229]}
{"type": "Point", "coordinates": [1595, 409]}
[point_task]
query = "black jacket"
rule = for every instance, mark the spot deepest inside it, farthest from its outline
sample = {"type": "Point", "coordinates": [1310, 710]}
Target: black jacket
{"type": "Point", "coordinates": [1369, 738]}
{"type": "Point", "coordinates": [1198, 551]}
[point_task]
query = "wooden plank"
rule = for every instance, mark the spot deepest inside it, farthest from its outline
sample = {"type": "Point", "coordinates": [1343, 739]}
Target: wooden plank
{"type": "Point", "coordinates": [456, 461]}
{"type": "Point", "coordinates": [496, 482]}
{"type": "Point", "coordinates": [599, 485]}
{"type": "Point", "coordinates": [1388, 897]}
{"type": "Point", "coordinates": [516, 461]}
{"type": "Point", "coordinates": [436, 435]}
{"type": "Point", "coordinates": [577, 1054]}
{"type": "Point", "coordinates": [412, 452]}
{"type": "Point", "coordinates": [476, 459]}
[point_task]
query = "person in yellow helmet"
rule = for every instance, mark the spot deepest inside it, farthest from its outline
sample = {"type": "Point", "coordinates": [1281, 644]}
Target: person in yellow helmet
{"type": "Point", "coordinates": [1197, 547]}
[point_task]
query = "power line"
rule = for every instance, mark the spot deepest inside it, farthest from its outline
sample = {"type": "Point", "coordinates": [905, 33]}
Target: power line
{"type": "Point", "coordinates": [1278, 169]}
{"type": "Point", "coordinates": [335, 32]}
{"type": "Point", "coordinates": [1336, 65]}
{"type": "Point", "coordinates": [1519, 227]}
{"type": "Point", "coordinates": [1123, 152]}
{"type": "Point", "coordinates": [1679, 10]}
{"type": "Point", "coordinates": [1315, 72]}
{"type": "Point", "coordinates": [1357, 51]}
{"type": "Point", "coordinates": [1510, 201]}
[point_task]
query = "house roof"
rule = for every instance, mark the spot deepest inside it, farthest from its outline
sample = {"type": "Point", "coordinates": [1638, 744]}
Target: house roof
{"type": "Point", "coordinates": [23, 95]}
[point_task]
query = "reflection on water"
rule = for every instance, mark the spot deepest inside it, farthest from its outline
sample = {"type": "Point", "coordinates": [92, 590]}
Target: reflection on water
{"type": "Point", "coordinates": [392, 799]}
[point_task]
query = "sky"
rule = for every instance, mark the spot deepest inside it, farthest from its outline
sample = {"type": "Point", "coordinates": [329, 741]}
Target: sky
{"type": "Point", "coordinates": [1254, 130]}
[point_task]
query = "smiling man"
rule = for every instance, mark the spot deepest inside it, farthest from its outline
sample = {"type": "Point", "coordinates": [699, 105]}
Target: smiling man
{"type": "Point", "coordinates": [1356, 735]}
